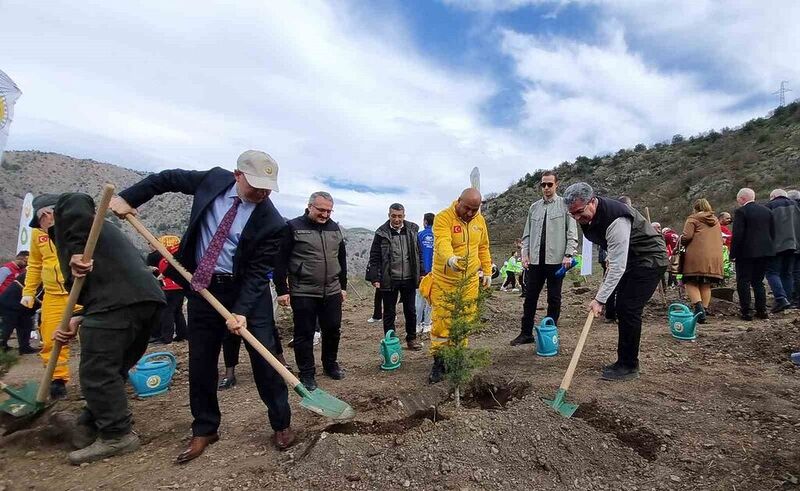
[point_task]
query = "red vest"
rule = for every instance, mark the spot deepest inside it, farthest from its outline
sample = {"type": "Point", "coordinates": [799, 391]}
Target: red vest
{"type": "Point", "coordinates": [15, 271]}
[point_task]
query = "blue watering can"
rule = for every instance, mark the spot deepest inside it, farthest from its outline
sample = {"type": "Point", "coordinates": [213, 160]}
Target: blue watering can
{"type": "Point", "coordinates": [391, 351]}
{"type": "Point", "coordinates": [682, 322]}
{"type": "Point", "coordinates": [153, 374]}
{"type": "Point", "coordinates": [547, 338]}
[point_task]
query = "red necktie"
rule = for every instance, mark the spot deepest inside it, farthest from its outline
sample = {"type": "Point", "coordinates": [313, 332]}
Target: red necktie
{"type": "Point", "coordinates": [202, 275]}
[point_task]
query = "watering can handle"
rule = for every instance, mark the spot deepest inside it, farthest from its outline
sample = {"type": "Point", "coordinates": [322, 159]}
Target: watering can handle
{"type": "Point", "coordinates": [160, 354]}
{"type": "Point", "coordinates": [389, 334]}
{"type": "Point", "coordinates": [548, 321]}
{"type": "Point", "coordinates": [679, 307]}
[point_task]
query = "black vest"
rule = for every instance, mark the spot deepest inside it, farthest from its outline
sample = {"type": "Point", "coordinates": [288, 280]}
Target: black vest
{"type": "Point", "coordinates": [647, 247]}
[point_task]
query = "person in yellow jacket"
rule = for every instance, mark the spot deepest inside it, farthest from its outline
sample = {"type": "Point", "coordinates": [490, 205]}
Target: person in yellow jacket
{"type": "Point", "coordinates": [44, 269]}
{"type": "Point", "coordinates": [461, 246]}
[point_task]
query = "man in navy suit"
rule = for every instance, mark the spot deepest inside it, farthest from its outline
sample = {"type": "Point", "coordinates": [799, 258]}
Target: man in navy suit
{"type": "Point", "coordinates": [751, 247]}
{"type": "Point", "coordinates": [231, 244]}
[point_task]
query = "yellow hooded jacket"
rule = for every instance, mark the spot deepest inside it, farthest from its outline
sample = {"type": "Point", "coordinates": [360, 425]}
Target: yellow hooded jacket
{"type": "Point", "coordinates": [43, 267]}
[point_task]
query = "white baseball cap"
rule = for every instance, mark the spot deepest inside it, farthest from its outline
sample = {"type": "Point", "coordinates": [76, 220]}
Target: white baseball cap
{"type": "Point", "coordinates": [261, 169]}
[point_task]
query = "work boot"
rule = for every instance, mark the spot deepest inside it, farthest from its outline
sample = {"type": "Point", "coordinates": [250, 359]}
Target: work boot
{"type": "Point", "coordinates": [699, 309]}
{"type": "Point", "coordinates": [523, 339]}
{"type": "Point", "coordinates": [334, 371]}
{"type": "Point", "coordinates": [437, 371]}
{"type": "Point", "coordinates": [762, 315]}
{"type": "Point", "coordinates": [78, 434]}
{"type": "Point", "coordinates": [618, 371]}
{"type": "Point", "coordinates": [105, 447]}
{"type": "Point", "coordinates": [414, 345]}
{"type": "Point", "coordinates": [58, 389]}
{"type": "Point", "coordinates": [309, 382]}
{"type": "Point", "coordinates": [781, 304]}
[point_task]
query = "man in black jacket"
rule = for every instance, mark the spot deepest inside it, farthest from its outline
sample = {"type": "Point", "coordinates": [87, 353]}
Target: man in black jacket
{"type": "Point", "coordinates": [785, 217]}
{"type": "Point", "coordinates": [121, 302]}
{"type": "Point", "coordinates": [16, 316]}
{"type": "Point", "coordinates": [314, 258]}
{"type": "Point", "coordinates": [751, 247]}
{"type": "Point", "coordinates": [395, 267]}
{"type": "Point", "coordinates": [231, 243]}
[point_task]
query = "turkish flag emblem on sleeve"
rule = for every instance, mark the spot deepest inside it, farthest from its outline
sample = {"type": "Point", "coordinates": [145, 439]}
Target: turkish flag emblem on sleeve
{"type": "Point", "coordinates": [457, 229]}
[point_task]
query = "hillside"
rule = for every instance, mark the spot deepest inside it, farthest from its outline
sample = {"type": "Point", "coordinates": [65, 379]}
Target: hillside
{"type": "Point", "coordinates": [41, 172]}
{"type": "Point", "coordinates": [763, 154]}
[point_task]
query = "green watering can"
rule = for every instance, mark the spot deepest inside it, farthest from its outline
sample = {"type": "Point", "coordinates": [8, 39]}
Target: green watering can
{"type": "Point", "coordinates": [391, 351]}
{"type": "Point", "coordinates": [682, 322]}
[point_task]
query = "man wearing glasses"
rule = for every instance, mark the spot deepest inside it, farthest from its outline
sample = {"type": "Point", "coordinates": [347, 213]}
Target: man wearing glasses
{"type": "Point", "coordinates": [637, 259]}
{"type": "Point", "coordinates": [549, 241]}
{"type": "Point", "coordinates": [314, 258]}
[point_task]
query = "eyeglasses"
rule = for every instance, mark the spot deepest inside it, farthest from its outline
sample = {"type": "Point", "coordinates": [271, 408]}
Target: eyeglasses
{"type": "Point", "coordinates": [547, 184]}
{"type": "Point", "coordinates": [580, 212]}
{"type": "Point", "coordinates": [324, 211]}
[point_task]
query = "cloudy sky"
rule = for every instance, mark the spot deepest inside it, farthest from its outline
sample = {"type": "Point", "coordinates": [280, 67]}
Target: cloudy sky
{"type": "Point", "coordinates": [382, 101]}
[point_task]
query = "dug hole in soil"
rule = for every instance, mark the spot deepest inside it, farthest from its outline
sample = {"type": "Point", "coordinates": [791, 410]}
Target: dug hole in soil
{"type": "Point", "coordinates": [722, 412]}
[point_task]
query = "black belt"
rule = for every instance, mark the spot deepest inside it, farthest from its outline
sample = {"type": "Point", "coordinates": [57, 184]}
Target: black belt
{"type": "Point", "coordinates": [221, 279]}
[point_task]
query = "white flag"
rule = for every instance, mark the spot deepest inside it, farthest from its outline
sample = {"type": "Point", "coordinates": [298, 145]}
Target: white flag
{"type": "Point", "coordinates": [475, 178]}
{"type": "Point", "coordinates": [24, 236]}
{"type": "Point", "coordinates": [586, 257]}
{"type": "Point", "coordinates": [9, 93]}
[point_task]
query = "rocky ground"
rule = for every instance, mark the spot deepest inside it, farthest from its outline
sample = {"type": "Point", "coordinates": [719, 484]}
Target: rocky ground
{"type": "Point", "coordinates": [721, 412]}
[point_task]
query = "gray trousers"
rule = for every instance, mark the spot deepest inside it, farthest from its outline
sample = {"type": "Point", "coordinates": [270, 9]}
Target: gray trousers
{"type": "Point", "coordinates": [111, 343]}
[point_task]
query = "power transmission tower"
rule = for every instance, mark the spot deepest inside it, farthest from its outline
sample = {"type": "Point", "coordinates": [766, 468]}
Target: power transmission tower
{"type": "Point", "coordinates": [781, 93]}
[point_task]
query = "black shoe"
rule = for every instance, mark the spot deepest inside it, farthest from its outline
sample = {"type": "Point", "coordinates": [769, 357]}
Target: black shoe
{"type": "Point", "coordinates": [309, 383]}
{"type": "Point", "coordinates": [227, 383]}
{"type": "Point", "coordinates": [523, 339]}
{"type": "Point", "coordinates": [160, 342]}
{"type": "Point", "coordinates": [178, 340]}
{"type": "Point", "coordinates": [27, 350]}
{"type": "Point", "coordinates": [154, 340]}
{"type": "Point", "coordinates": [58, 389]}
{"type": "Point", "coordinates": [698, 309]}
{"type": "Point", "coordinates": [334, 371]}
{"type": "Point", "coordinates": [780, 306]}
{"type": "Point", "coordinates": [746, 317]}
{"type": "Point", "coordinates": [618, 371]}
{"type": "Point", "coordinates": [762, 315]}
{"type": "Point", "coordinates": [437, 371]}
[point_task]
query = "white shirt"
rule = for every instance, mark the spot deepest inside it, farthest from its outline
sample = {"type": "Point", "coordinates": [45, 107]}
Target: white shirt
{"type": "Point", "coordinates": [210, 222]}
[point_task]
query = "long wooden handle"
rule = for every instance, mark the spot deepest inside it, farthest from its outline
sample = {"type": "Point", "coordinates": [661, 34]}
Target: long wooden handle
{"type": "Point", "coordinates": [287, 376]}
{"type": "Point", "coordinates": [573, 363]}
{"type": "Point", "coordinates": [75, 291]}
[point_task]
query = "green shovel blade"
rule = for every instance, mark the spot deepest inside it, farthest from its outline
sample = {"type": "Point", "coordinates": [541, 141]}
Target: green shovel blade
{"type": "Point", "coordinates": [559, 404]}
{"type": "Point", "coordinates": [22, 401]}
{"type": "Point", "coordinates": [324, 404]}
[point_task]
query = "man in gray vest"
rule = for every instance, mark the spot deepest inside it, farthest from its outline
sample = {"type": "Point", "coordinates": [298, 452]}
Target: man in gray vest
{"type": "Point", "coordinates": [549, 241]}
{"type": "Point", "coordinates": [637, 260]}
{"type": "Point", "coordinates": [314, 258]}
{"type": "Point", "coordinates": [395, 267]}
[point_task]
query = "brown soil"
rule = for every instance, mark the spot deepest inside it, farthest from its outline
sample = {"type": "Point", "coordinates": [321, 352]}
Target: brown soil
{"type": "Point", "coordinates": [722, 412]}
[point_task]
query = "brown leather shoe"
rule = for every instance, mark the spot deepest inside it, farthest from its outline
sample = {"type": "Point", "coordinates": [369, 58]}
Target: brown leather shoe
{"type": "Point", "coordinates": [197, 446]}
{"type": "Point", "coordinates": [284, 439]}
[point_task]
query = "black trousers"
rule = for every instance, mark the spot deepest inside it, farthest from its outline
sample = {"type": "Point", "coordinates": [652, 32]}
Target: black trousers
{"type": "Point", "coordinates": [173, 323]}
{"type": "Point", "coordinates": [22, 321]}
{"type": "Point", "coordinates": [511, 280]}
{"type": "Point", "coordinates": [377, 311]}
{"type": "Point", "coordinates": [207, 329]}
{"type": "Point", "coordinates": [407, 291]}
{"type": "Point", "coordinates": [634, 290]}
{"type": "Point", "coordinates": [307, 312]}
{"type": "Point", "coordinates": [535, 279]}
{"type": "Point", "coordinates": [111, 344]}
{"type": "Point", "coordinates": [750, 273]}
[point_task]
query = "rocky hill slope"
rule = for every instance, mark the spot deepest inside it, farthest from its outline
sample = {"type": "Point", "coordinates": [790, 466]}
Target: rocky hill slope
{"type": "Point", "coordinates": [763, 154]}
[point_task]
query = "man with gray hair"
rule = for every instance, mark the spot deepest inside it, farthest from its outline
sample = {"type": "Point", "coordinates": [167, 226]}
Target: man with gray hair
{"type": "Point", "coordinates": [395, 268]}
{"type": "Point", "coordinates": [751, 248]}
{"type": "Point", "coordinates": [314, 258]}
{"type": "Point", "coordinates": [637, 260]}
{"type": "Point", "coordinates": [785, 220]}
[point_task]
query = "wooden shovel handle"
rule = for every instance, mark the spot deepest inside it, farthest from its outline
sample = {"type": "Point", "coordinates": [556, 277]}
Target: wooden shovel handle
{"type": "Point", "coordinates": [75, 291]}
{"type": "Point", "coordinates": [287, 376]}
{"type": "Point", "coordinates": [573, 363]}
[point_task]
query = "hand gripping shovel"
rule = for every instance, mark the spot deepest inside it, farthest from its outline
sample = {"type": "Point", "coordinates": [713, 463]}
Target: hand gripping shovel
{"type": "Point", "coordinates": [559, 404]}
{"type": "Point", "coordinates": [31, 399]}
{"type": "Point", "coordinates": [317, 400]}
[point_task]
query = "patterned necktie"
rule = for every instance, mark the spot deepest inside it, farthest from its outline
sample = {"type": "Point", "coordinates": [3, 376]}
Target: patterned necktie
{"type": "Point", "coordinates": [202, 275]}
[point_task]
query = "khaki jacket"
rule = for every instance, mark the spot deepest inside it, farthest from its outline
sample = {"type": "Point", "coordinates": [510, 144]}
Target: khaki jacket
{"type": "Point", "coordinates": [561, 234]}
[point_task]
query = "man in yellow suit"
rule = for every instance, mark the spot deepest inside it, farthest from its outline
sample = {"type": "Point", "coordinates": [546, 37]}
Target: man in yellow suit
{"type": "Point", "coordinates": [44, 269]}
{"type": "Point", "coordinates": [461, 246]}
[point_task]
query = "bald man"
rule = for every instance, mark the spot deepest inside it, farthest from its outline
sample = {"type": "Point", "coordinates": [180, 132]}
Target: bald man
{"type": "Point", "coordinates": [751, 248]}
{"type": "Point", "coordinates": [461, 249]}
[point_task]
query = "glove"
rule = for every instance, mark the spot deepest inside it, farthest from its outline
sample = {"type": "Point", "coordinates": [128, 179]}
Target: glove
{"type": "Point", "coordinates": [486, 281]}
{"type": "Point", "coordinates": [454, 263]}
{"type": "Point", "coordinates": [26, 301]}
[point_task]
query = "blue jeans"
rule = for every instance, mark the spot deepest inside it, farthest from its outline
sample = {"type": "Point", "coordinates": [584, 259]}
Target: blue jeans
{"type": "Point", "coordinates": [423, 310]}
{"type": "Point", "coordinates": [780, 275]}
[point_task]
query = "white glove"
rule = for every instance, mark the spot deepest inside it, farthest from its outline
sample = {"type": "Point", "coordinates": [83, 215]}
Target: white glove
{"type": "Point", "coordinates": [454, 263]}
{"type": "Point", "coordinates": [26, 301]}
{"type": "Point", "coordinates": [486, 281]}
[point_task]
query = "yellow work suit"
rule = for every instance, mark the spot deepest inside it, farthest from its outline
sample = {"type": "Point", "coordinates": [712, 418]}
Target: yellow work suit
{"type": "Point", "coordinates": [453, 237]}
{"type": "Point", "coordinates": [44, 269]}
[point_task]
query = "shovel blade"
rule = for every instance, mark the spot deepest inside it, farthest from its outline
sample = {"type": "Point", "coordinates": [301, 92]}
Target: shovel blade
{"type": "Point", "coordinates": [22, 401]}
{"type": "Point", "coordinates": [324, 404]}
{"type": "Point", "coordinates": [559, 404]}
